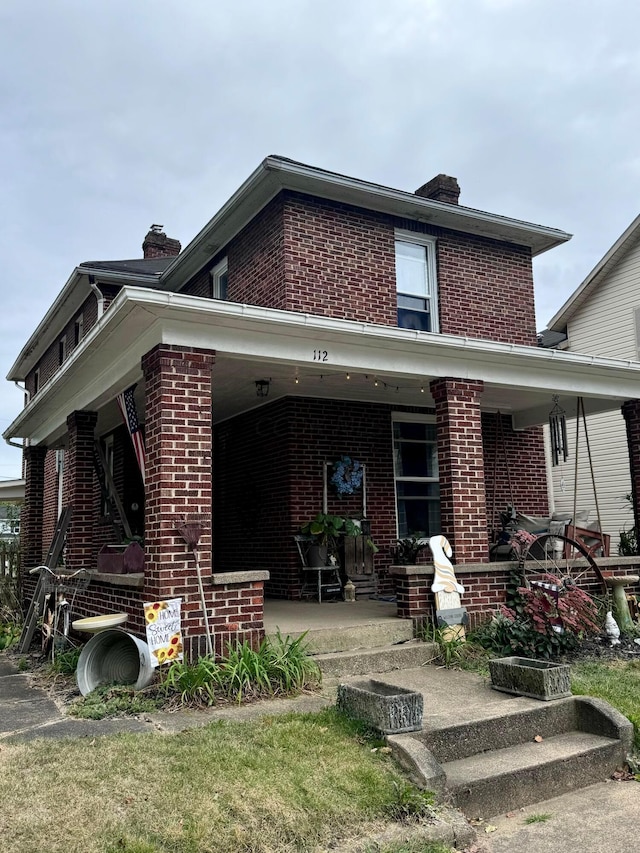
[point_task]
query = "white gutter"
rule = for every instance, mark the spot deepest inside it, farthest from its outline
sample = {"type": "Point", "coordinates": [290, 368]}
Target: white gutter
{"type": "Point", "coordinates": [99, 295]}
{"type": "Point", "coordinates": [44, 333]}
{"type": "Point", "coordinates": [275, 174]}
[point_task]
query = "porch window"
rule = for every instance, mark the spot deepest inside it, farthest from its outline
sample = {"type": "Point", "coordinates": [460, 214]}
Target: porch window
{"type": "Point", "coordinates": [415, 455]}
{"type": "Point", "coordinates": [78, 329]}
{"type": "Point", "coordinates": [416, 281]}
{"type": "Point", "coordinates": [62, 349]}
{"type": "Point", "coordinates": [219, 275]}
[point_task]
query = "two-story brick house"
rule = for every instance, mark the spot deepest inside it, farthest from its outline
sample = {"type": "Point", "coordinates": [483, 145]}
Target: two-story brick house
{"type": "Point", "coordinates": [315, 316]}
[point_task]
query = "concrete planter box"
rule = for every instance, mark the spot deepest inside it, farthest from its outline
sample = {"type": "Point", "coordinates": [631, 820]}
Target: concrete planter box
{"type": "Point", "coordinates": [389, 709]}
{"type": "Point", "coordinates": [535, 678]}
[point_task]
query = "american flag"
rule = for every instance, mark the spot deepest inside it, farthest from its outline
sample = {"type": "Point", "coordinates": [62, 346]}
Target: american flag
{"type": "Point", "coordinates": [130, 417]}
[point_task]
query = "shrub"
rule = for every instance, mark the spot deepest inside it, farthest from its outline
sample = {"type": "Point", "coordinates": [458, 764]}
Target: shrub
{"type": "Point", "coordinates": [534, 624]}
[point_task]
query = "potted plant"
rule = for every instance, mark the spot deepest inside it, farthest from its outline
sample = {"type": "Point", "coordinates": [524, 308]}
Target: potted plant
{"type": "Point", "coordinates": [325, 531]}
{"type": "Point", "coordinates": [407, 550]}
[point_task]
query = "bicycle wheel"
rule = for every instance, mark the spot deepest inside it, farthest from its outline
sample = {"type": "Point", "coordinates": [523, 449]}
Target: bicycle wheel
{"type": "Point", "coordinates": [558, 564]}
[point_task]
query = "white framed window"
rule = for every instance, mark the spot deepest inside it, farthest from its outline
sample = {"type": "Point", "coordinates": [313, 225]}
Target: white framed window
{"type": "Point", "coordinates": [78, 329]}
{"type": "Point", "coordinates": [36, 381]}
{"type": "Point", "coordinates": [417, 481]}
{"type": "Point", "coordinates": [219, 275]}
{"type": "Point", "coordinates": [62, 349]}
{"type": "Point", "coordinates": [416, 281]}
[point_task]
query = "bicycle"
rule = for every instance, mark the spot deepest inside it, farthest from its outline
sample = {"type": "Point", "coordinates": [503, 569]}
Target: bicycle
{"type": "Point", "coordinates": [56, 607]}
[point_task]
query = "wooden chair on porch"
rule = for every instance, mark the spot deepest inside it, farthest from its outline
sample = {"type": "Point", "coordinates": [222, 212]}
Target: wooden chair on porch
{"type": "Point", "coordinates": [317, 580]}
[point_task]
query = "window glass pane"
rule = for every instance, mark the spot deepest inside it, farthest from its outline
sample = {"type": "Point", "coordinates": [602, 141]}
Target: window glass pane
{"type": "Point", "coordinates": [222, 286]}
{"type": "Point", "coordinates": [414, 431]}
{"type": "Point", "coordinates": [411, 269]}
{"type": "Point", "coordinates": [419, 321]}
{"type": "Point", "coordinates": [411, 489]}
{"type": "Point", "coordinates": [416, 460]}
{"type": "Point", "coordinates": [418, 518]}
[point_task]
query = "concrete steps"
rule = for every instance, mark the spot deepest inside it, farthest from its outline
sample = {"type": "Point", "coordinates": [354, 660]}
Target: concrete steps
{"type": "Point", "coordinates": [494, 765]}
{"type": "Point", "coordinates": [408, 655]}
{"type": "Point", "coordinates": [371, 647]}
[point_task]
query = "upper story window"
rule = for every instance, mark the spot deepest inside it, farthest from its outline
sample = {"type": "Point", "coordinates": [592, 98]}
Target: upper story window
{"type": "Point", "coordinates": [78, 330]}
{"type": "Point", "coordinates": [416, 281]}
{"type": "Point", "coordinates": [62, 349]}
{"type": "Point", "coordinates": [219, 280]}
{"type": "Point", "coordinates": [36, 380]}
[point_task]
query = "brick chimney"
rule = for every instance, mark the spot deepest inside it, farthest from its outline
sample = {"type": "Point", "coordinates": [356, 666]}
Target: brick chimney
{"type": "Point", "coordinates": [441, 188]}
{"type": "Point", "coordinates": [158, 245]}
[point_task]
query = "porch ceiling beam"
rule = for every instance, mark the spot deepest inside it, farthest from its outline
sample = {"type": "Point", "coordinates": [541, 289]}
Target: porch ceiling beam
{"type": "Point", "coordinates": [108, 358]}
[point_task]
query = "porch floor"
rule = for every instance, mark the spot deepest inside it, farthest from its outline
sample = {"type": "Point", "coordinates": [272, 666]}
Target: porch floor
{"type": "Point", "coordinates": [293, 617]}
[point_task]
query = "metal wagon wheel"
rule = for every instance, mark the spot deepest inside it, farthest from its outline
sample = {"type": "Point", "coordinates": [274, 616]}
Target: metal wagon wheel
{"type": "Point", "coordinates": [557, 564]}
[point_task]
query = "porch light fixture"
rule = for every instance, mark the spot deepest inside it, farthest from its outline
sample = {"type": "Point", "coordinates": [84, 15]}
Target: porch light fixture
{"type": "Point", "coordinates": [558, 432]}
{"type": "Point", "coordinates": [262, 387]}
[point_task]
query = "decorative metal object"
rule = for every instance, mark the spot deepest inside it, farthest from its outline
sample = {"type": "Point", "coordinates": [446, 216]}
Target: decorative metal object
{"type": "Point", "coordinates": [558, 431]}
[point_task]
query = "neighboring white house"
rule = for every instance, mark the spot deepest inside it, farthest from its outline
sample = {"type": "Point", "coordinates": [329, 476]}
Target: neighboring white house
{"type": "Point", "coordinates": [601, 318]}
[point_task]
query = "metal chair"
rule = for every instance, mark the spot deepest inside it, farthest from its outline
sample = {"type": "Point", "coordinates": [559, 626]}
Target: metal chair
{"type": "Point", "coordinates": [325, 579]}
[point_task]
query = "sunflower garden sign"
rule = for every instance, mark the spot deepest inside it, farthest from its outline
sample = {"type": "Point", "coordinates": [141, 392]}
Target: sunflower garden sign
{"type": "Point", "coordinates": [164, 636]}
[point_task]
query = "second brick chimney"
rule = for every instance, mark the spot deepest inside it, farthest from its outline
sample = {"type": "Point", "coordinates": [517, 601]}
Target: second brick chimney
{"type": "Point", "coordinates": [157, 245]}
{"type": "Point", "coordinates": [441, 188]}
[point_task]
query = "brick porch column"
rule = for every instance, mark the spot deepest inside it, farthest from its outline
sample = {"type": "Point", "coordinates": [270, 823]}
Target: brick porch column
{"type": "Point", "coordinates": [631, 414]}
{"type": "Point", "coordinates": [79, 489]}
{"type": "Point", "coordinates": [31, 517]}
{"type": "Point", "coordinates": [460, 457]}
{"type": "Point", "coordinates": [178, 439]}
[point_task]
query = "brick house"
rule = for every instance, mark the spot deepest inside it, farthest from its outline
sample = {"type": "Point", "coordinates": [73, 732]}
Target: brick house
{"type": "Point", "coordinates": [315, 316]}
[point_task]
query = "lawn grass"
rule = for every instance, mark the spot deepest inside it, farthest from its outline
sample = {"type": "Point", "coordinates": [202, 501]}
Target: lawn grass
{"type": "Point", "coordinates": [617, 682]}
{"type": "Point", "coordinates": [292, 783]}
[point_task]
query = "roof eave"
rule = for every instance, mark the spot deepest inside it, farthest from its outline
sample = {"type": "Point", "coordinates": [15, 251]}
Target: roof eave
{"type": "Point", "coordinates": [275, 174]}
{"type": "Point", "coordinates": [559, 321]}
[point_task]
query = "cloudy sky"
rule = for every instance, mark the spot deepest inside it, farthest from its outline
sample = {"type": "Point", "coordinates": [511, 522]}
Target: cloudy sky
{"type": "Point", "coordinates": [115, 114]}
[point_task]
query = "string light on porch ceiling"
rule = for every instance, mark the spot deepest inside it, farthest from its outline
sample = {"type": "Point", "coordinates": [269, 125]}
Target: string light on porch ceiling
{"type": "Point", "coordinates": [558, 432]}
{"type": "Point", "coordinates": [350, 377]}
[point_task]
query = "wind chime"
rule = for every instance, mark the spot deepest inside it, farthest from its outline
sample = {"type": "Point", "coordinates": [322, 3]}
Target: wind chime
{"type": "Point", "coordinates": [558, 432]}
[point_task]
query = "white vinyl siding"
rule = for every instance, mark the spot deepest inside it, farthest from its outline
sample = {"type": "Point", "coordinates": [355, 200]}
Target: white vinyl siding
{"type": "Point", "coordinates": [606, 324]}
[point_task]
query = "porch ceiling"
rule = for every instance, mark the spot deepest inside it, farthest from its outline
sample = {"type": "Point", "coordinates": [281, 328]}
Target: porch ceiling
{"type": "Point", "coordinates": [254, 343]}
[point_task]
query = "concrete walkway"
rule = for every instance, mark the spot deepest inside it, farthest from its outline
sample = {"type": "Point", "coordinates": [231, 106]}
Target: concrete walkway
{"type": "Point", "coordinates": [602, 818]}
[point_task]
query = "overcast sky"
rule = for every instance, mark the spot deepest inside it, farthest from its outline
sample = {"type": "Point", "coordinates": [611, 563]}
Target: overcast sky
{"type": "Point", "coordinates": [115, 114]}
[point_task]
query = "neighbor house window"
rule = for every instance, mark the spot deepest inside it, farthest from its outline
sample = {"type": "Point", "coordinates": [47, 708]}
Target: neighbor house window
{"type": "Point", "coordinates": [416, 281]}
{"type": "Point", "coordinates": [78, 330]}
{"type": "Point", "coordinates": [219, 280]}
{"type": "Point", "coordinates": [415, 458]}
{"type": "Point", "coordinates": [62, 349]}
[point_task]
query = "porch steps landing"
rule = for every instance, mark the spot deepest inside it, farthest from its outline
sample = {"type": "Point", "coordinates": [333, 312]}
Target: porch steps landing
{"type": "Point", "coordinates": [383, 646]}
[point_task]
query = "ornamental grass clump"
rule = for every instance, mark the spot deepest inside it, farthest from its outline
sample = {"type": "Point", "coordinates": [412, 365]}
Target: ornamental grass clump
{"type": "Point", "coordinates": [279, 666]}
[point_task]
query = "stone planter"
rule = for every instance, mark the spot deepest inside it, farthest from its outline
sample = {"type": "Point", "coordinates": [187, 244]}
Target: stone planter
{"type": "Point", "coordinates": [535, 678]}
{"type": "Point", "coordinates": [389, 709]}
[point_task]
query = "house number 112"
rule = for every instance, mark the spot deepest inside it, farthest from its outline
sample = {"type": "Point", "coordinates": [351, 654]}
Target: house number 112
{"type": "Point", "coordinates": [320, 355]}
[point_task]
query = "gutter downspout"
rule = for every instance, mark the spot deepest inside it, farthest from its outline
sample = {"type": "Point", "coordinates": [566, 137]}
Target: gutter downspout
{"type": "Point", "coordinates": [99, 295]}
{"type": "Point", "coordinates": [27, 398]}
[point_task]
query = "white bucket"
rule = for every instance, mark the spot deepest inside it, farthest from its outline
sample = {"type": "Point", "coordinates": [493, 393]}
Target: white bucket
{"type": "Point", "coordinates": [114, 657]}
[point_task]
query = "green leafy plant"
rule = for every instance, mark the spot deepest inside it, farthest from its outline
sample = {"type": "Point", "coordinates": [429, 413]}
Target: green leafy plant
{"type": "Point", "coordinates": [196, 683]}
{"type": "Point", "coordinates": [628, 544]}
{"type": "Point", "coordinates": [450, 645]}
{"type": "Point", "coordinates": [410, 803]}
{"type": "Point", "coordinates": [9, 634]}
{"type": "Point", "coordinates": [407, 550]}
{"type": "Point", "coordinates": [280, 665]}
{"type": "Point", "coordinates": [66, 662]}
{"type": "Point", "coordinates": [528, 624]}
{"type": "Point", "coordinates": [110, 699]}
{"type": "Point", "coordinates": [327, 529]}
{"type": "Point", "coordinates": [543, 817]}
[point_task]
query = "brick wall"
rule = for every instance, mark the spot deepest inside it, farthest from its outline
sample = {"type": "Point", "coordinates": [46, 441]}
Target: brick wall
{"type": "Point", "coordinates": [313, 255]}
{"type": "Point", "coordinates": [49, 364]}
{"type": "Point", "coordinates": [519, 462]}
{"type": "Point", "coordinates": [461, 462]}
{"type": "Point", "coordinates": [32, 512]}
{"type": "Point", "coordinates": [79, 489]}
{"type": "Point", "coordinates": [485, 289]}
{"type": "Point", "coordinates": [631, 414]}
{"type": "Point", "coordinates": [50, 508]}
